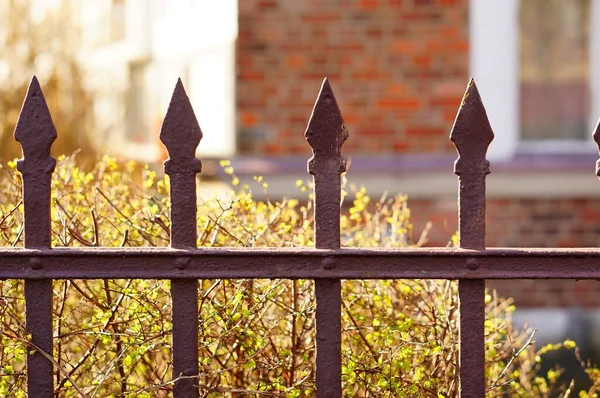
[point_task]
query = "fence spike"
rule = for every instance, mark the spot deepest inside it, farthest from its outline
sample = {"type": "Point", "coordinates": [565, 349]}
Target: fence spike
{"type": "Point", "coordinates": [35, 132]}
{"type": "Point", "coordinates": [326, 134]}
{"type": "Point", "coordinates": [181, 135]}
{"type": "Point", "coordinates": [596, 137]}
{"type": "Point", "coordinates": [472, 134]}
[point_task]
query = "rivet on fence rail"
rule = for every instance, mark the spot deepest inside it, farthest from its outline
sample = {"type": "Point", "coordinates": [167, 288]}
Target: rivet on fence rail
{"type": "Point", "coordinates": [326, 134]}
{"type": "Point", "coordinates": [36, 133]}
{"type": "Point", "coordinates": [181, 135]}
{"type": "Point", "coordinates": [472, 134]}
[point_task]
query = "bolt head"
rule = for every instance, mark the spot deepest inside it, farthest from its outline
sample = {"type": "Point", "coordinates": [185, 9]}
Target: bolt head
{"type": "Point", "coordinates": [35, 263]}
{"type": "Point", "coordinates": [329, 262]}
{"type": "Point", "coordinates": [182, 262]}
{"type": "Point", "coordinates": [472, 263]}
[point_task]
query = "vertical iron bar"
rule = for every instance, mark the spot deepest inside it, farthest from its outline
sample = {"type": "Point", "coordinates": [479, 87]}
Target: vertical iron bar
{"type": "Point", "coordinates": [181, 135]}
{"type": "Point", "coordinates": [328, 292]}
{"type": "Point", "coordinates": [326, 134]}
{"type": "Point", "coordinates": [35, 132]}
{"type": "Point", "coordinates": [472, 135]}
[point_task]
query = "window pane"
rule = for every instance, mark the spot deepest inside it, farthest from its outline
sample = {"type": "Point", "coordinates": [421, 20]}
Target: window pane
{"type": "Point", "coordinates": [117, 20]}
{"type": "Point", "coordinates": [554, 69]}
{"type": "Point", "coordinates": [137, 115]}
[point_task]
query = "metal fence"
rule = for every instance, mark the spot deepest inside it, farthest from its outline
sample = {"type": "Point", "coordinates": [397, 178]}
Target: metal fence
{"type": "Point", "coordinates": [327, 264]}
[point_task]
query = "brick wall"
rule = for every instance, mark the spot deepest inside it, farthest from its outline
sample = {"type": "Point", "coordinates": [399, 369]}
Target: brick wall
{"type": "Point", "coordinates": [398, 67]}
{"type": "Point", "coordinates": [573, 222]}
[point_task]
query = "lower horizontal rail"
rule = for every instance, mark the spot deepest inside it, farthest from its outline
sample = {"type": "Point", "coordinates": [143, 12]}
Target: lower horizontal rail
{"type": "Point", "coordinates": [225, 263]}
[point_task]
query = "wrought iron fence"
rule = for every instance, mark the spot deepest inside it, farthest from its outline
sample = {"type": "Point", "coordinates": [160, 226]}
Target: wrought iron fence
{"type": "Point", "coordinates": [327, 264]}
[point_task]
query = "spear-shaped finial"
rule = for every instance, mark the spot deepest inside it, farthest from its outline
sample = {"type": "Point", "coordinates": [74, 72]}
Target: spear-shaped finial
{"type": "Point", "coordinates": [35, 132]}
{"type": "Point", "coordinates": [181, 134]}
{"type": "Point", "coordinates": [326, 134]}
{"type": "Point", "coordinates": [471, 133]}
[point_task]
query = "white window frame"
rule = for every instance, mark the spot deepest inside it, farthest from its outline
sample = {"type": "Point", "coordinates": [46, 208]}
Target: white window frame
{"type": "Point", "coordinates": [494, 63]}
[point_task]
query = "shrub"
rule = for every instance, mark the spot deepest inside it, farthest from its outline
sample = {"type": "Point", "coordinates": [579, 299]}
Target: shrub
{"type": "Point", "coordinates": [256, 336]}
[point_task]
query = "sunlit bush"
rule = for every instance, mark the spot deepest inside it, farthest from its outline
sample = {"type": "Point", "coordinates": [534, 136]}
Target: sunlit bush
{"type": "Point", "coordinates": [112, 338]}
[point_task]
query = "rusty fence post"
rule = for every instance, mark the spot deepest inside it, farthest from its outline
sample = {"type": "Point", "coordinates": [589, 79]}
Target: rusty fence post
{"type": "Point", "coordinates": [181, 135]}
{"type": "Point", "coordinates": [472, 135]}
{"type": "Point", "coordinates": [35, 132]}
{"type": "Point", "coordinates": [325, 134]}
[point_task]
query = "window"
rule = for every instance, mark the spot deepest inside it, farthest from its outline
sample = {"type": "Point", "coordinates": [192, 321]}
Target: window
{"type": "Point", "coordinates": [208, 61]}
{"type": "Point", "coordinates": [136, 127]}
{"type": "Point", "coordinates": [554, 69]}
{"type": "Point", "coordinates": [536, 65]}
{"type": "Point", "coordinates": [117, 20]}
{"type": "Point", "coordinates": [144, 67]}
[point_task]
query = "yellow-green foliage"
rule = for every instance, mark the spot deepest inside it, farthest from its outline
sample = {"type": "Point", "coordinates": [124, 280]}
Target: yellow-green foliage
{"type": "Point", "coordinates": [113, 337]}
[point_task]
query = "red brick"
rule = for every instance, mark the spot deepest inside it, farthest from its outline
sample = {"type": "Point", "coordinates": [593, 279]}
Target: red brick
{"type": "Point", "coordinates": [274, 149]}
{"type": "Point", "coordinates": [421, 61]}
{"type": "Point", "coordinates": [369, 4]}
{"type": "Point", "coordinates": [452, 102]}
{"type": "Point", "coordinates": [350, 117]}
{"type": "Point", "coordinates": [403, 46]}
{"type": "Point", "coordinates": [372, 76]}
{"type": "Point", "coordinates": [426, 131]}
{"type": "Point", "coordinates": [450, 31]}
{"type": "Point", "coordinates": [267, 4]}
{"type": "Point", "coordinates": [374, 33]}
{"type": "Point", "coordinates": [450, 116]}
{"type": "Point", "coordinates": [246, 75]}
{"type": "Point", "coordinates": [398, 103]}
{"type": "Point", "coordinates": [462, 46]}
{"type": "Point", "coordinates": [295, 61]}
{"type": "Point", "coordinates": [396, 88]}
{"type": "Point", "coordinates": [248, 119]}
{"type": "Point", "coordinates": [400, 146]}
{"type": "Point", "coordinates": [320, 17]}
{"type": "Point", "coordinates": [375, 131]}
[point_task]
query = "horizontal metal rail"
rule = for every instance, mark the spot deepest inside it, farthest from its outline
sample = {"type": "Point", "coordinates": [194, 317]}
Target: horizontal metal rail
{"type": "Point", "coordinates": [346, 263]}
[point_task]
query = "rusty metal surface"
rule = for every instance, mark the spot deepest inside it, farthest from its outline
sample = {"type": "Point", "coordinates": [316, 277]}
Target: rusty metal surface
{"type": "Point", "coordinates": [471, 294]}
{"type": "Point", "coordinates": [35, 132]}
{"type": "Point", "coordinates": [472, 135]}
{"type": "Point", "coordinates": [181, 135]}
{"type": "Point", "coordinates": [442, 263]}
{"type": "Point", "coordinates": [326, 134]}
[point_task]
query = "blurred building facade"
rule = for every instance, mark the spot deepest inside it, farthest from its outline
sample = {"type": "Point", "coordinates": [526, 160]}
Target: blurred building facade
{"type": "Point", "coordinates": [134, 51]}
{"type": "Point", "coordinates": [399, 69]}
